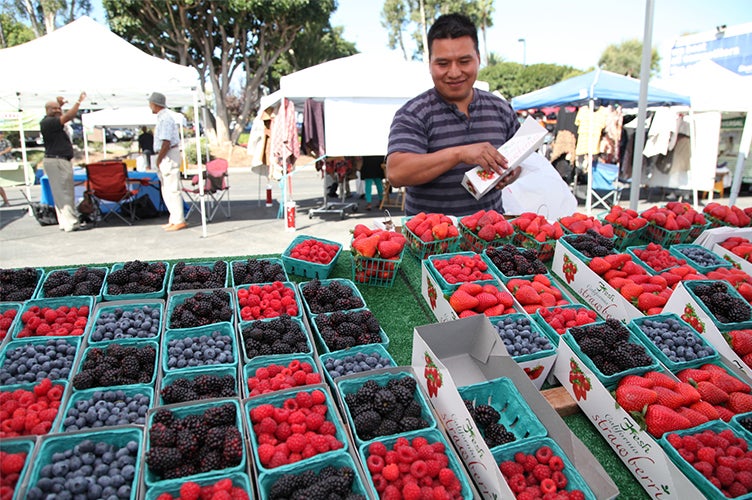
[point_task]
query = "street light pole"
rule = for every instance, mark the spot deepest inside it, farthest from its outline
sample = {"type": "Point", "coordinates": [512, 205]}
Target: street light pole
{"type": "Point", "coordinates": [524, 50]}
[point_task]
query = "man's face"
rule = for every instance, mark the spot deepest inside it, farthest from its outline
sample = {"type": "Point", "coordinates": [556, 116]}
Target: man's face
{"type": "Point", "coordinates": [454, 67]}
{"type": "Point", "coordinates": [53, 109]}
{"type": "Point", "coordinates": [154, 108]}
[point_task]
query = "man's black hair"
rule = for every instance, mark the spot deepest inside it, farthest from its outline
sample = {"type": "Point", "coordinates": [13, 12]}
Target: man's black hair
{"type": "Point", "coordinates": [452, 26]}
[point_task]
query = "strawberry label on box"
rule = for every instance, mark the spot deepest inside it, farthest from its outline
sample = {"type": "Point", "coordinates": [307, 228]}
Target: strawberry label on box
{"type": "Point", "coordinates": [737, 261]}
{"type": "Point", "coordinates": [527, 139]}
{"type": "Point", "coordinates": [639, 451]}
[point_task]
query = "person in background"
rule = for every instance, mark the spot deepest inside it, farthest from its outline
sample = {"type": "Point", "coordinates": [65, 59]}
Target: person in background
{"type": "Point", "coordinates": [440, 134]}
{"type": "Point", "coordinates": [372, 173]}
{"type": "Point", "coordinates": [58, 153]}
{"type": "Point", "coordinates": [167, 148]}
{"type": "Point", "coordinates": [146, 145]}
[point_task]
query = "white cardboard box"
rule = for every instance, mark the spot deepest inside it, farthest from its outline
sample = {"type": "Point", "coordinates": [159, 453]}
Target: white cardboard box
{"type": "Point", "coordinates": [468, 351]}
{"type": "Point", "coordinates": [730, 256]}
{"type": "Point", "coordinates": [527, 139]}
{"type": "Point", "coordinates": [591, 288]}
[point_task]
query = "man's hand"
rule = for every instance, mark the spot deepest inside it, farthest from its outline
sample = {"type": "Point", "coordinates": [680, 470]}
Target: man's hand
{"type": "Point", "coordinates": [485, 155]}
{"type": "Point", "coordinates": [81, 97]}
{"type": "Point", "coordinates": [513, 175]}
{"type": "Point", "coordinates": [61, 100]}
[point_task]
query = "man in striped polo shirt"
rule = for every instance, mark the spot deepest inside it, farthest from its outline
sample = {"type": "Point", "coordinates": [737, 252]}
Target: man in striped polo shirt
{"type": "Point", "coordinates": [440, 134]}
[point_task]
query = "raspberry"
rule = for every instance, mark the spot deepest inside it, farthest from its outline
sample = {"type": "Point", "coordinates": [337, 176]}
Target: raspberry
{"type": "Point", "coordinates": [745, 477]}
{"type": "Point", "coordinates": [447, 477]}
{"type": "Point", "coordinates": [328, 428]}
{"type": "Point", "coordinates": [576, 495]}
{"type": "Point", "coordinates": [418, 442]}
{"type": "Point", "coordinates": [277, 460]}
{"type": "Point", "coordinates": [260, 412]}
{"type": "Point", "coordinates": [221, 495]}
{"type": "Point", "coordinates": [314, 421]}
{"type": "Point", "coordinates": [265, 453]}
{"type": "Point", "coordinates": [433, 467]}
{"type": "Point", "coordinates": [407, 454]}
{"type": "Point", "coordinates": [703, 468]}
{"type": "Point", "coordinates": [543, 454]}
{"type": "Point", "coordinates": [281, 414]}
{"type": "Point", "coordinates": [312, 378]}
{"type": "Point", "coordinates": [548, 486]}
{"type": "Point", "coordinates": [560, 480]}
{"type": "Point", "coordinates": [11, 463]}
{"type": "Point", "coordinates": [706, 454]}
{"type": "Point", "coordinates": [411, 491]}
{"type": "Point", "coordinates": [223, 485]}
{"type": "Point", "coordinates": [517, 483]}
{"type": "Point", "coordinates": [318, 397]}
{"type": "Point", "coordinates": [304, 399]}
{"type": "Point", "coordinates": [375, 464]}
{"type": "Point", "coordinates": [283, 432]}
{"type": "Point", "coordinates": [42, 387]}
{"type": "Point", "coordinates": [541, 472]}
{"type": "Point", "coordinates": [736, 490]}
{"type": "Point", "coordinates": [725, 475]}
{"type": "Point", "coordinates": [556, 463]}
{"type": "Point", "coordinates": [510, 468]}
{"type": "Point", "coordinates": [418, 469]}
{"type": "Point", "coordinates": [190, 491]}
{"type": "Point", "coordinates": [390, 472]}
{"type": "Point", "coordinates": [377, 448]}
{"type": "Point", "coordinates": [297, 442]}
{"type": "Point", "coordinates": [320, 443]}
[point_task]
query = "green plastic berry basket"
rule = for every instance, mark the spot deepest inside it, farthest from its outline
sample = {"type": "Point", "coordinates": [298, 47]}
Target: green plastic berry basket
{"type": "Point", "coordinates": [97, 296]}
{"type": "Point", "coordinates": [448, 288]}
{"type": "Point", "coordinates": [677, 251]}
{"type": "Point", "coordinates": [20, 445]}
{"type": "Point", "coordinates": [133, 306]}
{"type": "Point", "coordinates": [94, 395]}
{"type": "Point", "coordinates": [610, 381]}
{"type": "Point", "coordinates": [736, 424]}
{"type": "Point", "coordinates": [283, 360]}
{"type": "Point", "coordinates": [157, 294]}
{"type": "Point", "coordinates": [181, 411]}
{"type": "Point", "coordinates": [168, 379]}
{"type": "Point", "coordinates": [320, 342]}
{"type": "Point", "coordinates": [470, 241]}
{"type": "Point", "coordinates": [375, 272]}
{"type": "Point", "coordinates": [545, 249]}
{"type": "Point", "coordinates": [422, 249]}
{"type": "Point", "coordinates": [432, 435]}
{"type": "Point", "coordinates": [624, 237]}
{"type": "Point", "coordinates": [695, 231]}
{"type": "Point", "coordinates": [707, 488]}
{"type": "Point", "coordinates": [529, 446]}
{"type": "Point", "coordinates": [351, 385]}
{"type": "Point", "coordinates": [637, 326]}
{"type": "Point", "coordinates": [286, 284]}
{"type": "Point", "coordinates": [537, 331]}
{"type": "Point", "coordinates": [494, 269]}
{"type": "Point", "coordinates": [40, 279]}
{"type": "Point", "coordinates": [224, 328]}
{"type": "Point", "coordinates": [63, 384]}
{"type": "Point", "coordinates": [663, 236]}
{"type": "Point", "coordinates": [5, 307]}
{"type": "Point", "coordinates": [638, 248]}
{"type": "Point", "coordinates": [77, 301]}
{"type": "Point", "coordinates": [206, 263]}
{"type": "Point", "coordinates": [75, 342]}
{"type": "Point", "coordinates": [515, 414]}
{"type": "Point", "coordinates": [339, 460]}
{"type": "Point", "coordinates": [365, 350]}
{"type": "Point", "coordinates": [305, 268]}
{"type": "Point", "coordinates": [277, 399]}
{"type": "Point", "coordinates": [690, 287]}
{"type": "Point", "coordinates": [236, 281]}
{"type": "Point", "coordinates": [119, 437]}
{"type": "Point", "coordinates": [137, 343]}
{"type": "Point", "coordinates": [564, 241]}
{"type": "Point", "coordinates": [174, 299]}
{"type": "Point", "coordinates": [325, 283]}
{"type": "Point", "coordinates": [552, 334]}
{"type": "Point", "coordinates": [172, 486]}
{"type": "Point", "coordinates": [296, 323]}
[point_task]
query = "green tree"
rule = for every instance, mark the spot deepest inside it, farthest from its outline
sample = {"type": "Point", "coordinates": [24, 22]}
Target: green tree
{"type": "Point", "coordinates": [219, 38]}
{"type": "Point", "coordinates": [43, 15]}
{"type": "Point", "coordinates": [13, 32]}
{"type": "Point", "coordinates": [626, 58]}
{"type": "Point", "coordinates": [512, 79]}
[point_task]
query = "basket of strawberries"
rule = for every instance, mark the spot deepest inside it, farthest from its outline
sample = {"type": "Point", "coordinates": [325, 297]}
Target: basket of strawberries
{"type": "Point", "coordinates": [376, 255]}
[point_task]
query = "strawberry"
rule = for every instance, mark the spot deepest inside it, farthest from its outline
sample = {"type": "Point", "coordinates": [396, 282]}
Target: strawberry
{"type": "Point", "coordinates": [634, 397]}
{"type": "Point", "coordinates": [660, 378]}
{"type": "Point", "coordinates": [486, 301]}
{"type": "Point", "coordinates": [366, 246]}
{"type": "Point", "coordinates": [712, 393]}
{"type": "Point", "coordinates": [487, 233]}
{"type": "Point", "coordinates": [361, 230]}
{"type": "Point", "coordinates": [693, 374]}
{"type": "Point", "coordinates": [527, 295]}
{"type": "Point", "coordinates": [668, 398]}
{"type": "Point", "coordinates": [695, 417]}
{"type": "Point", "coordinates": [650, 300]}
{"type": "Point", "coordinates": [706, 409]}
{"type": "Point", "coordinates": [660, 419]}
{"type": "Point", "coordinates": [636, 380]}
{"type": "Point", "coordinates": [599, 265]}
{"type": "Point", "coordinates": [389, 248]}
{"type": "Point", "coordinates": [740, 341]}
{"type": "Point", "coordinates": [728, 382]}
{"type": "Point", "coordinates": [739, 402]}
{"type": "Point", "coordinates": [440, 231]}
{"type": "Point", "coordinates": [461, 301]}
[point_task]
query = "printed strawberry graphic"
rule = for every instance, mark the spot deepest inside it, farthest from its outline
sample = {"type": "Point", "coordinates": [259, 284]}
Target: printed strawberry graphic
{"type": "Point", "coordinates": [690, 316]}
{"type": "Point", "coordinates": [486, 175]}
{"type": "Point", "coordinates": [432, 376]}
{"type": "Point", "coordinates": [534, 373]}
{"type": "Point", "coordinates": [431, 293]}
{"type": "Point", "coordinates": [569, 269]}
{"type": "Point", "coordinates": [580, 382]}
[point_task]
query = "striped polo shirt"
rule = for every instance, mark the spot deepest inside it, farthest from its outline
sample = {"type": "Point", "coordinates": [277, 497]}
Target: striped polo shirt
{"type": "Point", "coordinates": [428, 123]}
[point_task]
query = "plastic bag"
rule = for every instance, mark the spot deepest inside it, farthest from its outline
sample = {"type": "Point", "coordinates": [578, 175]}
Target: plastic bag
{"type": "Point", "coordinates": [539, 189]}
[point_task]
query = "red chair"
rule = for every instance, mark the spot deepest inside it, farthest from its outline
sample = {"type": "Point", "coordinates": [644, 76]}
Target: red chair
{"type": "Point", "coordinates": [216, 187]}
{"type": "Point", "coordinates": [107, 181]}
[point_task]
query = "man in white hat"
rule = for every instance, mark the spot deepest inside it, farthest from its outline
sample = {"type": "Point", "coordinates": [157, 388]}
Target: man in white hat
{"type": "Point", "coordinates": [167, 146]}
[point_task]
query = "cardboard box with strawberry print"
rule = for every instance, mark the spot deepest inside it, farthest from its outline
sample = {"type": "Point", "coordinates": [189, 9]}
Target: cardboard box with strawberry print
{"type": "Point", "coordinates": [466, 352]}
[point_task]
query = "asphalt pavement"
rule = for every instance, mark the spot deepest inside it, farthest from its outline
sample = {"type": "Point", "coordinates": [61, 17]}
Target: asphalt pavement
{"type": "Point", "coordinates": [252, 228]}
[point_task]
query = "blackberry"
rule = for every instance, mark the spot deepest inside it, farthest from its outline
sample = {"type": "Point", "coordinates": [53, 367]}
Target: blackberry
{"type": "Point", "coordinates": [486, 415]}
{"type": "Point", "coordinates": [608, 367]}
{"type": "Point", "coordinates": [470, 407]}
{"type": "Point", "coordinates": [496, 435]}
{"type": "Point", "coordinates": [366, 424]}
{"type": "Point", "coordinates": [367, 392]}
{"type": "Point", "coordinates": [412, 423]}
{"type": "Point", "coordinates": [165, 417]}
{"type": "Point", "coordinates": [215, 438]}
{"type": "Point", "coordinates": [182, 470]}
{"type": "Point", "coordinates": [284, 486]}
{"type": "Point", "coordinates": [83, 380]}
{"type": "Point", "coordinates": [232, 451]}
{"type": "Point", "coordinates": [162, 459]}
{"type": "Point", "coordinates": [738, 310]}
{"type": "Point", "coordinates": [413, 409]}
{"type": "Point", "coordinates": [161, 436]}
{"type": "Point", "coordinates": [210, 460]}
{"type": "Point", "coordinates": [402, 394]}
{"type": "Point", "coordinates": [385, 402]}
{"type": "Point", "coordinates": [195, 424]}
{"type": "Point", "coordinates": [176, 394]}
{"type": "Point", "coordinates": [387, 427]}
{"type": "Point", "coordinates": [591, 346]}
{"type": "Point", "coordinates": [220, 415]}
{"type": "Point", "coordinates": [187, 443]}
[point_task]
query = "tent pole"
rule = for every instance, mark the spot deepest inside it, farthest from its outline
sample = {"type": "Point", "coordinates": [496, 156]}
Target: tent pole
{"type": "Point", "coordinates": [86, 145]}
{"type": "Point", "coordinates": [589, 194]}
{"type": "Point", "coordinates": [197, 133]}
{"type": "Point", "coordinates": [104, 142]}
{"type": "Point", "coordinates": [692, 141]}
{"type": "Point", "coordinates": [647, 47]}
{"type": "Point", "coordinates": [744, 145]}
{"type": "Point", "coordinates": [24, 157]}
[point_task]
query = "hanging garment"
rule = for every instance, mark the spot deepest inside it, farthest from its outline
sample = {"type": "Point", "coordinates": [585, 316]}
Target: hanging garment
{"type": "Point", "coordinates": [285, 145]}
{"type": "Point", "coordinates": [313, 128]}
{"type": "Point", "coordinates": [611, 139]}
{"type": "Point", "coordinates": [257, 141]}
{"type": "Point", "coordinates": [663, 133]}
{"type": "Point", "coordinates": [589, 128]}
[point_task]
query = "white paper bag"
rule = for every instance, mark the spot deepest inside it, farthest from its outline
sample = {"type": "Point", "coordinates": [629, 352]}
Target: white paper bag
{"type": "Point", "coordinates": [539, 189]}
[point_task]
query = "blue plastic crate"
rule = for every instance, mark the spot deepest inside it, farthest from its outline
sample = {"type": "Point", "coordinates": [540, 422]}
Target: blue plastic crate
{"type": "Point", "coordinates": [704, 485]}
{"type": "Point", "coordinates": [74, 301]}
{"type": "Point", "coordinates": [690, 287]}
{"type": "Point", "coordinates": [327, 283]}
{"type": "Point", "coordinates": [98, 296]}
{"type": "Point", "coordinates": [133, 306]}
{"type": "Point", "coordinates": [94, 395]}
{"type": "Point", "coordinates": [447, 287]}
{"type": "Point", "coordinates": [181, 411]}
{"type": "Point", "coordinates": [36, 342]}
{"type": "Point", "coordinates": [636, 326]}
{"type": "Point", "coordinates": [422, 249]}
{"type": "Point", "coordinates": [223, 328]}
{"type": "Point", "coordinates": [296, 324]}
{"type": "Point", "coordinates": [37, 287]}
{"type": "Point", "coordinates": [338, 460]}
{"type": "Point", "coordinates": [678, 252]}
{"type": "Point", "coordinates": [177, 298]}
{"type": "Point", "coordinates": [277, 399]}
{"type": "Point", "coordinates": [365, 350]}
{"type": "Point", "coordinates": [172, 486]}
{"type": "Point", "coordinates": [286, 284]}
{"type": "Point", "coordinates": [63, 384]}
{"type": "Point", "coordinates": [283, 360]}
{"type": "Point", "coordinates": [158, 294]}
{"type": "Point", "coordinates": [5, 307]}
{"type": "Point", "coordinates": [515, 414]}
{"type": "Point", "coordinates": [351, 385]}
{"type": "Point", "coordinates": [169, 378]}
{"type": "Point", "coordinates": [60, 443]}
{"type": "Point", "coordinates": [137, 343]}
{"type": "Point", "coordinates": [433, 436]}
{"type": "Point", "coordinates": [529, 446]}
{"type": "Point", "coordinates": [206, 263]}
{"type": "Point", "coordinates": [322, 343]}
{"type": "Point", "coordinates": [20, 445]}
{"type": "Point", "coordinates": [235, 281]}
{"type": "Point", "coordinates": [305, 268]}
{"type": "Point", "coordinates": [536, 329]}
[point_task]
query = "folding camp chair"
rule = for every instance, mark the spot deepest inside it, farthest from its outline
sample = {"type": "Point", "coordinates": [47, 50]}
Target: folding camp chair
{"type": "Point", "coordinates": [107, 181]}
{"type": "Point", "coordinates": [216, 187]}
{"type": "Point", "coordinates": [606, 187]}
